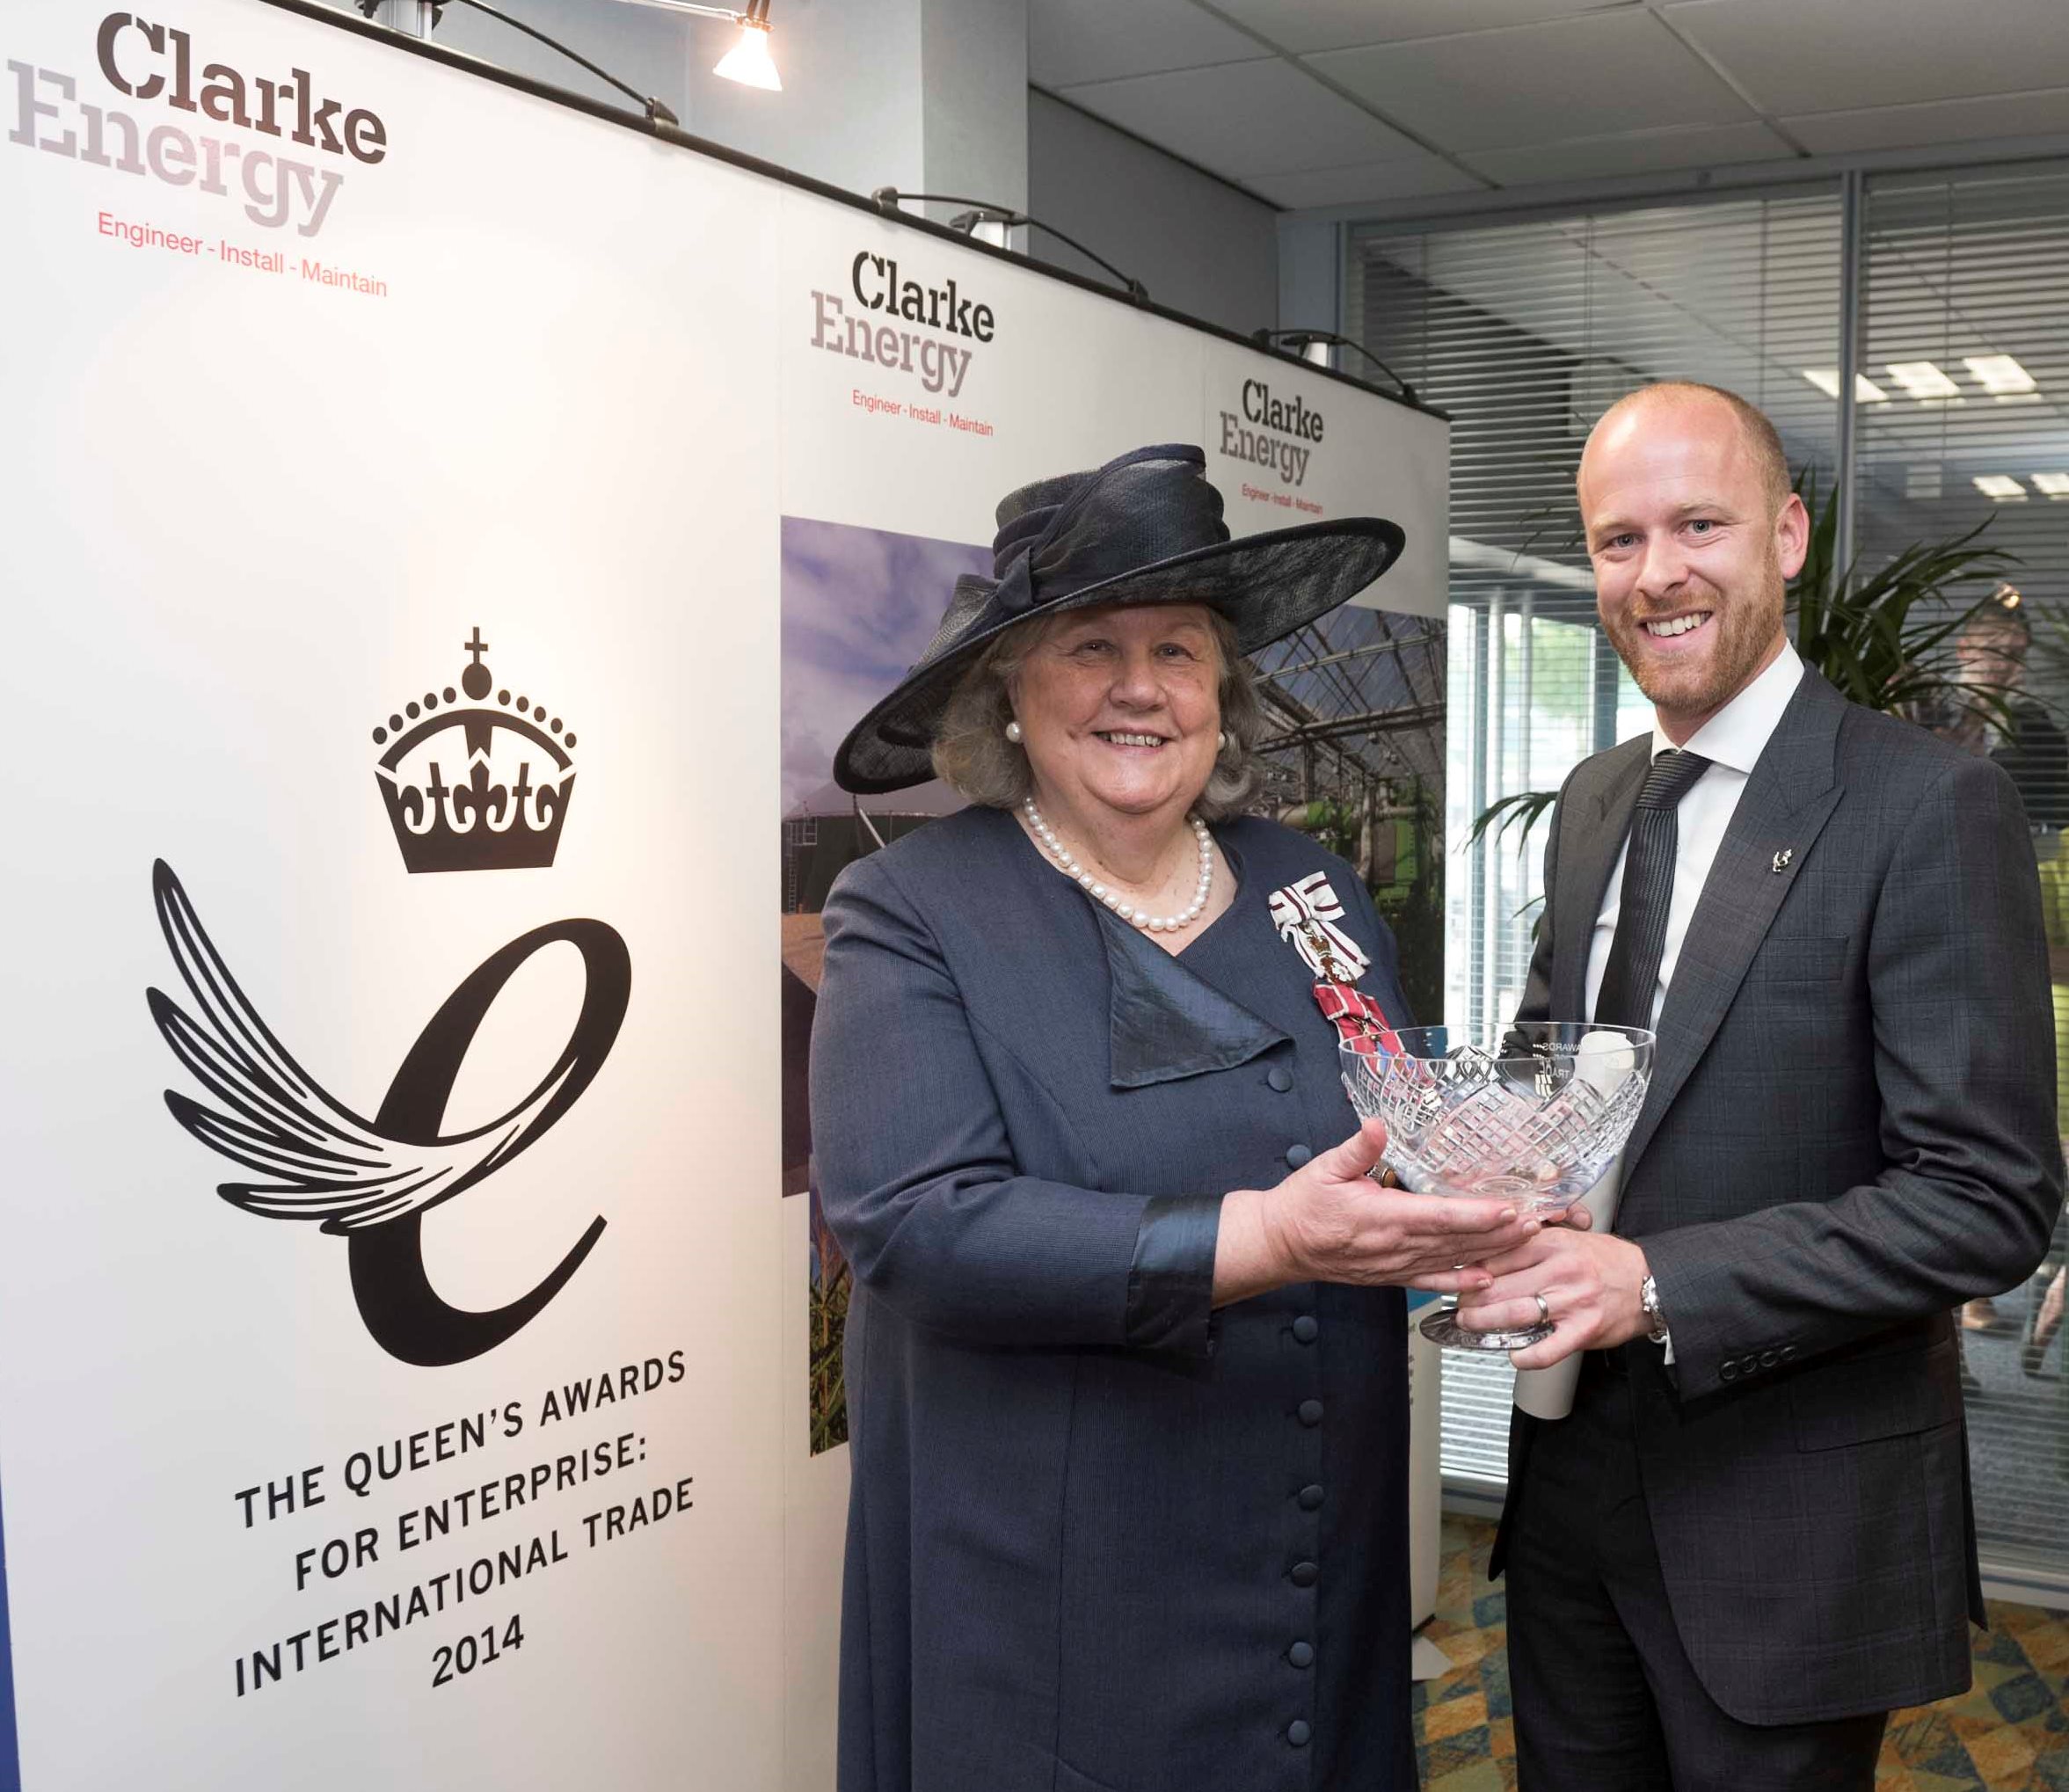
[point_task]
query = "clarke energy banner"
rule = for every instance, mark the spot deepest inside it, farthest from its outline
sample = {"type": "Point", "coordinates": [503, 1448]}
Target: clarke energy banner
{"type": "Point", "coordinates": [411, 1369]}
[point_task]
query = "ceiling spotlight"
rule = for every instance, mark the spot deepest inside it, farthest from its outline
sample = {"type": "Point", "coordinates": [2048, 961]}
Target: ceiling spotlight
{"type": "Point", "coordinates": [2000, 486]}
{"type": "Point", "coordinates": [1999, 374]}
{"type": "Point", "coordinates": [656, 110]}
{"type": "Point", "coordinates": [749, 61]}
{"type": "Point", "coordinates": [1827, 381]}
{"type": "Point", "coordinates": [1304, 343]}
{"type": "Point", "coordinates": [989, 223]}
{"type": "Point", "coordinates": [2054, 485]}
{"type": "Point", "coordinates": [1921, 379]}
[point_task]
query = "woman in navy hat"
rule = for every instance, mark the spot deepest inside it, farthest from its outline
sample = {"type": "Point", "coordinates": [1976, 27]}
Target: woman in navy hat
{"type": "Point", "coordinates": [1126, 1356]}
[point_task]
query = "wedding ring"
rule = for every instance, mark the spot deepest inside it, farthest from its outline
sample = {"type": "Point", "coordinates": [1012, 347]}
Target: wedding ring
{"type": "Point", "coordinates": [1544, 1309]}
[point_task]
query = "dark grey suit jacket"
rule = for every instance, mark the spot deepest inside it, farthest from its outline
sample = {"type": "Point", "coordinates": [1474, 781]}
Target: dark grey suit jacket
{"type": "Point", "coordinates": [1851, 1129]}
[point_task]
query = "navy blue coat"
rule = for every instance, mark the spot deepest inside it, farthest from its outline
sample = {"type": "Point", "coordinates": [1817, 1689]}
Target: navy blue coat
{"type": "Point", "coordinates": [1101, 1537]}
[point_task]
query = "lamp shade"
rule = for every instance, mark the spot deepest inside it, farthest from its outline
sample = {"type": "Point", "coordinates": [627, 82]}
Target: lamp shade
{"type": "Point", "coordinates": [749, 61]}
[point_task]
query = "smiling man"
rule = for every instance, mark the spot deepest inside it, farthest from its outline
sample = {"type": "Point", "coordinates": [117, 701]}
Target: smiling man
{"type": "Point", "coordinates": [1752, 1539]}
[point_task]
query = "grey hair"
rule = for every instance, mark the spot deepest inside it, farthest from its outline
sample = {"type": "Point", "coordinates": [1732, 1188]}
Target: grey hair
{"type": "Point", "coordinates": [972, 755]}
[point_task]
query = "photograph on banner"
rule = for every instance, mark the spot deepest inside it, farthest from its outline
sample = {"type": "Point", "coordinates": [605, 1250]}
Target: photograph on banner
{"type": "Point", "coordinates": [1354, 755]}
{"type": "Point", "coordinates": [859, 606]}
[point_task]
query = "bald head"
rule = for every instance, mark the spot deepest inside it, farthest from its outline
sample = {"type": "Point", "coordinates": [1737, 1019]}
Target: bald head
{"type": "Point", "coordinates": [1691, 400]}
{"type": "Point", "coordinates": [1694, 536]}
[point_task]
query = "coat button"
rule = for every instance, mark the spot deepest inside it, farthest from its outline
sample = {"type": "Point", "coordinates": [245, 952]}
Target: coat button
{"type": "Point", "coordinates": [1310, 1412]}
{"type": "Point", "coordinates": [1311, 1498]}
{"type": "Point", "coordinates": [1305, 1329]}
{"type": "Point", "coordinates": [1298, 1731]}
{"type": "Point", "coordinates": [1769, 1358]}
{"type": "Point", "coordinates": [1728, 1370]}
{"type": "Point", "coordinates": [1301, 1655]}
{"type": "Point", "coordinates": [1297, 1155]}
{"type": "Point", "coordinates": [1787, 1353]}
{"type": "Point", "coordinates": [1304, 1574]}
{"type": "Point", "coordinates": [1279, 1078]}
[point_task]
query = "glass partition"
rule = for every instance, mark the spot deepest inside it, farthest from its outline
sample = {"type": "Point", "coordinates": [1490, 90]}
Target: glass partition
{"type": "Point", "coordinates": [1961, 427]}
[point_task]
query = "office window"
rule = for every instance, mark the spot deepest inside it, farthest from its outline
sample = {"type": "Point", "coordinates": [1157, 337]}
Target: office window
{"type": "Point", "coordinates": [1965, 371]}
{"type": "Point", "coordinates": [1524, 333]}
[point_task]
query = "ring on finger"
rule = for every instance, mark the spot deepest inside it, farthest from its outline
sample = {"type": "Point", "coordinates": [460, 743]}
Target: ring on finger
{"type": "Point", "coordinates": [1544, 1309]}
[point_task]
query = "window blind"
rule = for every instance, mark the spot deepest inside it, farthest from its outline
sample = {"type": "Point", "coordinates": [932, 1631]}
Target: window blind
{"type": "Point", "coordinates": [1961, 423]}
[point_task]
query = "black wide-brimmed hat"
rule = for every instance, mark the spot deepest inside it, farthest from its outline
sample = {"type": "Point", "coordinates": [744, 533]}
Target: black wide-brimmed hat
{"type": "Point", "coordinates": [1144, 528]}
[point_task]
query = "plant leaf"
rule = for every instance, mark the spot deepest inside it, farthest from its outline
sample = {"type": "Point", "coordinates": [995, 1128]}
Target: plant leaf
{"type": "Point", "coordinates": [1524, 810]}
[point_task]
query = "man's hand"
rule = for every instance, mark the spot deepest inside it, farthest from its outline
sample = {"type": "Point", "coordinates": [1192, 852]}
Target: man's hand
{"type": "Point", "coordinates": [1589, 1281]}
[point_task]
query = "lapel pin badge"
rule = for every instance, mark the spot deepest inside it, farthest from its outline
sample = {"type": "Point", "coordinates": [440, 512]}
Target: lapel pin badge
{"type": "Point", "coordinates": [1782, 858]}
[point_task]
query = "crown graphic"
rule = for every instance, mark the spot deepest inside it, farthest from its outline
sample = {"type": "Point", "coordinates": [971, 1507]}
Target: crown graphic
{"type": "Point", "coordinates": [479, 786]}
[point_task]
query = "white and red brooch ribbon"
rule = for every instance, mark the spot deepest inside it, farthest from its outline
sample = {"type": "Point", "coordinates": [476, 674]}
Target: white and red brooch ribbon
{"type": "Point", "coordinates": [1305, 915]}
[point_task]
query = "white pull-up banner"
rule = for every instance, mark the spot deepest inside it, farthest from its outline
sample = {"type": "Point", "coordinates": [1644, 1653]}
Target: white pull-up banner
{"type": "Point", "coordinates": [445, 533]}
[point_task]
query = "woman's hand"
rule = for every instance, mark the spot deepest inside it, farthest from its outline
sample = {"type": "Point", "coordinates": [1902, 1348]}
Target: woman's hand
{"type": "Point", "coordinates": [1329, 1222]}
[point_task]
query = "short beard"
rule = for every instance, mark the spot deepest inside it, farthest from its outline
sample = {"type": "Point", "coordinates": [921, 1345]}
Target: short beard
{"type": "Point", "coordinates": [1745, 633]}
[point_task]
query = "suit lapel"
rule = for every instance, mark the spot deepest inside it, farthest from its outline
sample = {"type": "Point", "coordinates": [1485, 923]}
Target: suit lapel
{"type": "Point", "coordinates": [1785, 804]}
{"type": "Point", "coordinates": [1587, 855]}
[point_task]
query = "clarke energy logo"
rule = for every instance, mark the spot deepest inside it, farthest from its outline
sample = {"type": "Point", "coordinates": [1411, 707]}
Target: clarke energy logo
{"type": "Point", "coordinates": [867, 324]}
{"type": "Point", "coordinates": [1277, 434]}
{"type": "Point", "coordinates": [159, 65]}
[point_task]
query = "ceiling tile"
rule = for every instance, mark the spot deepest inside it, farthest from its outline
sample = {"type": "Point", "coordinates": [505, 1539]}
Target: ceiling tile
{"type": "Point", "coordinates": [1810, 56]}
{"type": "Point", "coordinates": [1333, 25]}
{"type": "Point", "coordinates": [1631, 152]}
{"type": "Point", "coordinates": [1244, 118]}
{"type": "Point", "coordinates": [1074, 40]}
{"type": "Point", "coordinates": [1605, 72]}
{"type": "Point", "coordinates": [1943, 121]}
{"type": "Point", "coordinates": [1370, 183]}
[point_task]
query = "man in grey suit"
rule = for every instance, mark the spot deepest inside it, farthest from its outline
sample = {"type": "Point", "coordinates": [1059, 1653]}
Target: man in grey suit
{"type": "Point", "coordinates": [1752, 1537]}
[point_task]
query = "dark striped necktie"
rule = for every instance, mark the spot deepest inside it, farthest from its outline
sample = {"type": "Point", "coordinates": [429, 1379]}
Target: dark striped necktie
{"type": "Point", "coordinates": [1633, 971]}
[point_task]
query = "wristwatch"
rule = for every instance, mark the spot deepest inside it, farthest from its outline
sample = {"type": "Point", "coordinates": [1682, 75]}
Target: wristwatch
{"type": "Point", "coordinates": [1655, 1319]}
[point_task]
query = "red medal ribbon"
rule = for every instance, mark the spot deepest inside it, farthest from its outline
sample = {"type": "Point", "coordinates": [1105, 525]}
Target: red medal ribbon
{"type": "Point", "coordinates": [1360, 1022]}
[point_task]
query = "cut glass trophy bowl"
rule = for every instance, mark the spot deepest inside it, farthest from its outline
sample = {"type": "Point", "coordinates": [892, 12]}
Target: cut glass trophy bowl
{"type": "Point", "coordinates": [1535, 1115]}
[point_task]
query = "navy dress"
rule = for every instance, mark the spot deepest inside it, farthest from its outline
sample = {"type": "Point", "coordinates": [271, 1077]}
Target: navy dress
{"type": "Point", "coordinates": [1102, 1537]}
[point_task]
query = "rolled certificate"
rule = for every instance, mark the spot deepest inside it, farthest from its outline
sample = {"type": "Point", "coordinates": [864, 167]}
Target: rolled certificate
{"type": "Point", "coordinates": [1605, 1060]}
{"type": "Point", "coordinates": [1548, 1393]}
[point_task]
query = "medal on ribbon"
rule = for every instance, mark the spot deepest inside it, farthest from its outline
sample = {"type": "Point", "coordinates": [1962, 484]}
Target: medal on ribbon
{"type": "Point", "coordinates": [1306, 914]}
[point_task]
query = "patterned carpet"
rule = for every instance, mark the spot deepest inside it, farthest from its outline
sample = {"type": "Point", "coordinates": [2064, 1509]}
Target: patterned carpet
{"type": "Point", "coordinates": [2010, 1733]}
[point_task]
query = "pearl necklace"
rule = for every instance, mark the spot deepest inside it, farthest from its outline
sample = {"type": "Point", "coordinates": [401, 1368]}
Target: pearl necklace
{"type": "Point", "coordinates": [1110, 899]}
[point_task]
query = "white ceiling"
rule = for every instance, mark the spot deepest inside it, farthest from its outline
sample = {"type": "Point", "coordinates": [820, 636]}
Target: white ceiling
{"type": "Point", "coordinates": [1345, 102]}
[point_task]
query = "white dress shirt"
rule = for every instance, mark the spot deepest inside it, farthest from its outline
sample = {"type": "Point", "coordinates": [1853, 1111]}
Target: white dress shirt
{"type": "Point", "coordinates": [1732, 741]}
